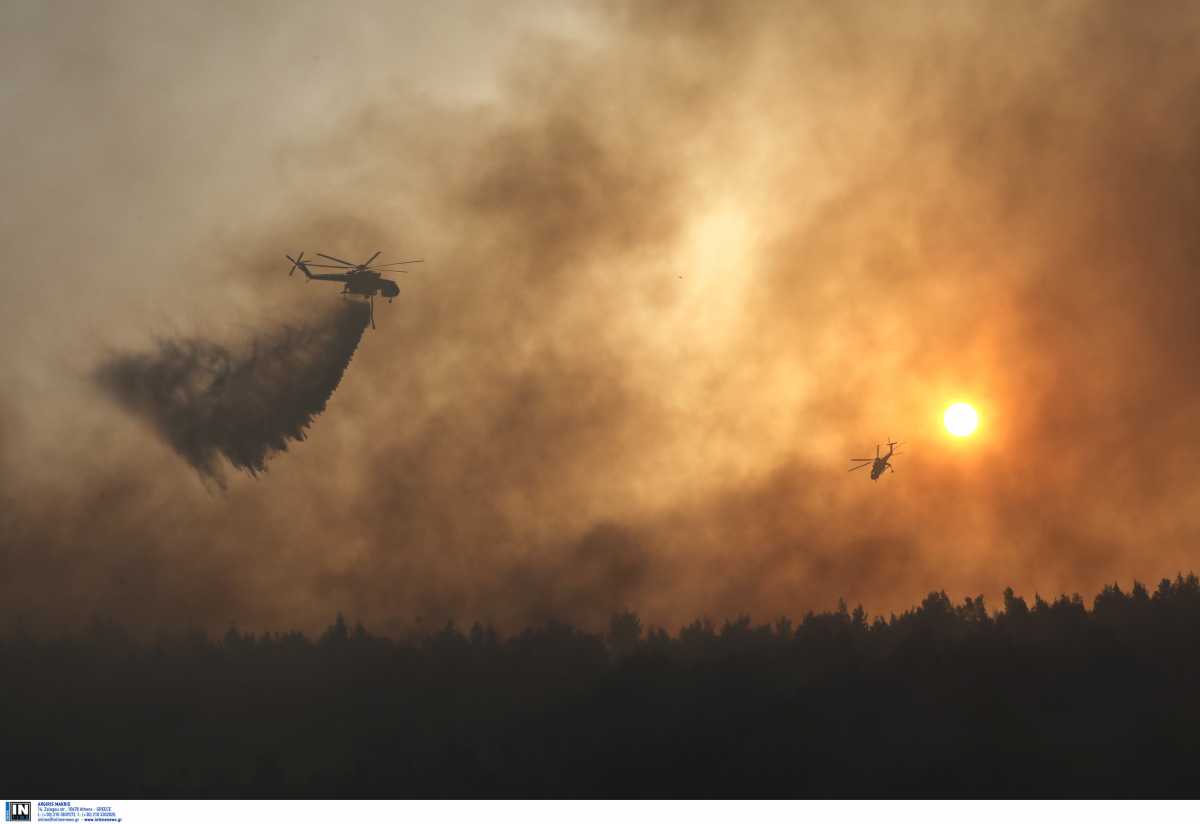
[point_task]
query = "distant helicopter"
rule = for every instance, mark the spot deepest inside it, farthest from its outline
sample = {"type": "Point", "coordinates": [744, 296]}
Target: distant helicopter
{"type": "Point", "coordinates": [879, 463]}
{"type": "Point", "coordinates": [358, 277]}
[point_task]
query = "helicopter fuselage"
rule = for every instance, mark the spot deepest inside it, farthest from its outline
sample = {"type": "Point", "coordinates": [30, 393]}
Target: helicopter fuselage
{"type": "Point", "coordinates": [881, 463]}
{"type": "Point", "coordinates": [370, 283]}
{"type": "Point", "coordinates": [364, 282]}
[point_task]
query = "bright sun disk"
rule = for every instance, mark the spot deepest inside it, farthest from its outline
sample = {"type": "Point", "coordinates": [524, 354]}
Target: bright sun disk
{"type": "Point", "coordinates": [961, 419]}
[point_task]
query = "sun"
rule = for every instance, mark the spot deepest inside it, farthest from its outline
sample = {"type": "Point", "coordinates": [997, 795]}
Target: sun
{"type": "Point", "coordinates": [961, 419]}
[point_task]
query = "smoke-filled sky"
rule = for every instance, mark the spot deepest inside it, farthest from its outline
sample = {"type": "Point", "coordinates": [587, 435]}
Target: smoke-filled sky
{"type": "Point", "coordinates": [683, 260]}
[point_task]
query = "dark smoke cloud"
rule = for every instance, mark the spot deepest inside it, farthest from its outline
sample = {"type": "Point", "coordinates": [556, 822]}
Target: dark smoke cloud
{"type": "Point", "coordinates": [683, 263]}
{"type": "Point", "coordinates": [244, 402]}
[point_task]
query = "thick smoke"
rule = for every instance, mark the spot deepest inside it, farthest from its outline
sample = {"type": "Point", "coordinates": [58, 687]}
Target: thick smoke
{"type": "Point", "coordinates": [685, 260]}
{"type": "Point", "coordinates": [244, 402]}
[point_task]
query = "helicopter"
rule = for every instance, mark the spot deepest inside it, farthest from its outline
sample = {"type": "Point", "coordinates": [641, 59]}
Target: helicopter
{"type": "Point", "coordinates": [359, 278]}
{"type": "Point", "coordinates": [880, 463]}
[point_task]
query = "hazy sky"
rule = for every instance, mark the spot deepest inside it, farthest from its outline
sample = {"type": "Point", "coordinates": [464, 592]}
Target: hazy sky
{"type": "Point", "coordinates": [683, 261]}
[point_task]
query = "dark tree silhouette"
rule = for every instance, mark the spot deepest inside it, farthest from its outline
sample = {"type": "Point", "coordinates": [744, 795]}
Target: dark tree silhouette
{"type": "Point", "coordinates": [944, 699]}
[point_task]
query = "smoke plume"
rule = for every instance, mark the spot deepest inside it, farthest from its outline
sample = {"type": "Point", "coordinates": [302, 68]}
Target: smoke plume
{"type": "Point", "coordinates": [684, 259]}
{"type": "Point", "coordinates": [244, 402]}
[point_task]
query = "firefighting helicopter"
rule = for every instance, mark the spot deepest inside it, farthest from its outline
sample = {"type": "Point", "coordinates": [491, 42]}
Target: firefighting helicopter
{"type": "Point", "coordinates": [359, 278]}
{"type": "Point", "coordinates": [880, 463]}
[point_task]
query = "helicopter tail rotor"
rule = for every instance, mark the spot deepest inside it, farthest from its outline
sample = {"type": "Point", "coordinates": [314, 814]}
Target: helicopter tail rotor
{"type": "Point", "coordinates": [298, 260]}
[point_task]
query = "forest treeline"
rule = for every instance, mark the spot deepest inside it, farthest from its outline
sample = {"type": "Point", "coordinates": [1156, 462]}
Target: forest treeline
{"type": "Point", "coordinates": [1044, 699]}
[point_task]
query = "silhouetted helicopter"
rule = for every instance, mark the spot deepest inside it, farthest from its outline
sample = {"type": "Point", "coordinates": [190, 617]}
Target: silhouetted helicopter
{"type": "Point", "coordinates": [880, 462]}
{"type": "Point", "coordinates": [358, 277]}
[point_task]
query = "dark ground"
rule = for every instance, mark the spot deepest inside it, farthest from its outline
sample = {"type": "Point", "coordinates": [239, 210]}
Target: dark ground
{"type": "Point", "coordinates": [944, 700]}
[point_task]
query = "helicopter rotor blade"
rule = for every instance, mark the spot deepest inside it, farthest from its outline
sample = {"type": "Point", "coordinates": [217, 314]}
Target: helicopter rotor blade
{"type": "Point", "coordinates": [856, 460]}
{"type": "Point", "coordinates": [401, 262]}
{"type": "Point", "coordinates": [860, 466]}
{"type": "Point", "coordinates": [331, 266]}
{"type": "Point", "coordinates": [338, 260]}
{"type": "Point", "coordinates": [371, 258]}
